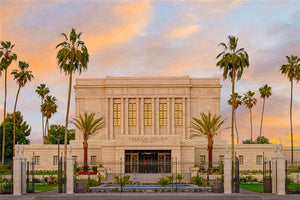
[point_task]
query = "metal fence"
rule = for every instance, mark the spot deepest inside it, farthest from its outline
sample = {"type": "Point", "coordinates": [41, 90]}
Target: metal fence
{"type": "Point", "coordinates": [6, 178]}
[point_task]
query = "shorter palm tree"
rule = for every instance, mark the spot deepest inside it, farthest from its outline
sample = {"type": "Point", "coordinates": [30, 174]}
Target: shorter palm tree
{"type": "Point", "coordinates": [22, 76]}
{"type": "Point", "coordinates": [48, 108]}
{"type": "Point", "coordinates": [88, 125]}
{"type": "Point", "coordinates": [265, 92]}
{"type": "Point", "coordinates": [238, 102]}
{"type": "Point", "coordinates": [42, 91]}
{"type": "Point", "coordinates": [249, 101]}
{"type": "Point", "coordinates": [208, 126]}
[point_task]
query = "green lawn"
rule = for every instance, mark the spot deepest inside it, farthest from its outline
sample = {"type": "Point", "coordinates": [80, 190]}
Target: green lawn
{"type": "Point", "coordinates": [252, 187]}
{"type": "Point", "coordinates": [259, 187]}
{"type": "Point", "coordinates": [44, 188]}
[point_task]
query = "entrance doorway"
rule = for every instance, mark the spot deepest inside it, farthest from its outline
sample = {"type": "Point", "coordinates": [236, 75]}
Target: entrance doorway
{"type": "Point", "coordinates": [147, 161]}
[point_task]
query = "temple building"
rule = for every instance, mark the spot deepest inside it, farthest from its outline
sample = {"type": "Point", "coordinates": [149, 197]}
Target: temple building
{"type": "Point", "coordinates": [147, 126]}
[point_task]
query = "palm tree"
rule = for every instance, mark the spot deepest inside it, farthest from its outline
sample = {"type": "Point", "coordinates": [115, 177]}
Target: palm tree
{"type": "Point", "coordinates": [249, 101]}
{"type": "Point", "coordinates": [265, 92]}
{"type": "Point", "coordinates": [88, 125]}
{"type": "Point", "coordinates": [209, 126]}
{"type": "Point", "coordinates": [42, 91]}
{"type": "Point", "coordinates": [7, 56]}
{"type": "Point", "coordinates": [48, 108]}
{"type": "Point", "coordinates": [238, 102]}
{"type": "Point", "coordinates": [22, 76]}
{"type": "Point", "coordinates": [72, 57]}
{"type": "Point", "coordinates": [232, 62]}
{"type": "Point", "coordinates": [292, 71]}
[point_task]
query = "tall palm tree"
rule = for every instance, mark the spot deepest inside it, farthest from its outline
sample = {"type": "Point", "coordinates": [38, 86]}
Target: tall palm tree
{"type": "Point", "coordinates": [292, 71]}
{"type": "Point", "coordinates": [22, 76]}
{"type": "Point", "coordinates": [48, 108]}
{"type": "Point", "coordinates": [88, 125]}
{"type": "Point", "coordinates": [249, 101]}
{"type": "Point", "coordinates": [72, 57]}
{"type": "Point", "coordinates": [7, 56]}
{"type": "Point", "coordinates": [265, 92]}
{"type": "Point", "coordinates": [232, 62]}
{"type": "Point", "coordinates": [42, 91]}
{"type": "Point", "coordinates": [238, 102]}
{"type": "Point", "coordinates": [208, 126]}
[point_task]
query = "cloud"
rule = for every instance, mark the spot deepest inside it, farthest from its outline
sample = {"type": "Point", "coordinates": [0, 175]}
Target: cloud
{"type": "Point", "coordinates": [182, 32]}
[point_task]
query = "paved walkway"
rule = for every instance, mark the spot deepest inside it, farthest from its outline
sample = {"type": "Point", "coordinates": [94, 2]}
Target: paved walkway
{"type": "Point", "coordinates": [244, 195]}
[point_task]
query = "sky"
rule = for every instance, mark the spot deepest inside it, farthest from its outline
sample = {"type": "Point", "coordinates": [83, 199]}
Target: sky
{"type": "Point", "coordinates": [158, 38]}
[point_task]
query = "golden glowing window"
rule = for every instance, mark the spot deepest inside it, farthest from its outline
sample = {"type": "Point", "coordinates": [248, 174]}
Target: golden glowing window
{"type": "Point", "coordinates": [178, 114]}
{"type": "Point", "coordinates": [117, 114]}
{"type": "Point", "coordinates": [132, 114]}
{"type": "Point", "coordinates": [202, 159]}
{"type": "Point", "coordinates": [147, 114]}
{"type": "Point", "coordinates": [163, 114]}
{"type": "Point", "coordinates": [221, 159]}
{"type": "Point", "coordinates": [241, 159]}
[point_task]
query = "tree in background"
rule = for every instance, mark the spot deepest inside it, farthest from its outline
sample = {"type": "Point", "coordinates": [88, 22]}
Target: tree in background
{"type": "Point", "coordinates": [22, 131]}
{"type": "Point", "coordinates": [88, 125]}
{"type": "Point", "coordinates": [238, 102]}
{"type": "Point", "coordinates": [72, 57]}
{"type": "Point", "coordinates": [22, 76]}
{"type": "Point", "coordinates": [265, 92]}
{"type": "Point", "coordinates": [58, 132]}
{"type": "Point", "coordinates": [232, 62]}
{"type": "Point", "coordinates": [249, 101]}
{"type": "Point", "coordinates": [208, 126]}
{"type": "Point", "coordinates": [48, 108]}
{"type": "Point", "coordinates": [292, 71]}
{"type": "Point", "coordinates": [259, 140]}
{"type": "Point", "coordinates": [42, 91]}
{"type": "Point", "coordinates": [7, 56]}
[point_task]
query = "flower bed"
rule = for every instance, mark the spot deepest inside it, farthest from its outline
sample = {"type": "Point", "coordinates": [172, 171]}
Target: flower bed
{"type": "Point", "coordinates": [87, 173]}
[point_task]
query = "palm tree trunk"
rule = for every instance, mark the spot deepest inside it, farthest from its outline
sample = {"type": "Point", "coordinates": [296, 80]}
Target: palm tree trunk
{"type": "Point", "coordinates": [251, 123]}
{"type": "Point", "coordinates": [261, 121]}
{"type": "Point", "coordinates": [14, 121]}
{"type": "Point", "coordinates": [45, 131]}
{"type": "Point", "coordinates": [210, 148]}
{"type": "Point", "coordinates": [291, 122]}
{"type": "Point", "coordinates": [85, 154]}
{"type": "Point", "coordinates": [236, 129]}
{"type": "Point", "coordinates": [4, 116]}
{"type": "Point", "coordinates": [232, 112]}
{"type": "Point", "coordinates": [43, 123]}
{"type": "Point", "coordinates": [66, 128]}
{"type": "Point", "coordinates": [48, 136]}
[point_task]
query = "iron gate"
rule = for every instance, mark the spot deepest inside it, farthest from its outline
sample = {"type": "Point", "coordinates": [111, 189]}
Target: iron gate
{"type": "Point", "coordinates": [30, 180]}
{"type": "Point", "coordinates": [60, 175]}
{"type": "Point", "coordinates": [267, 176]}
{"type": "Point", "coordinates": [6, 178]}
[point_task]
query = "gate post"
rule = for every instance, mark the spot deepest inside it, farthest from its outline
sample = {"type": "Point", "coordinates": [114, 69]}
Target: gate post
{"type": "Point", "coordinates": [227, 172]}
{"type": "Point", "coordinates": [274, 177]}
{"type": "Point", "coordinates": [17, 182]}
{"type": "Point", "coordinates": [24, 165]}
{"type": "Point", "coordinates": [280, 172]}
{"type": "Point", "coordinates": [70, 172]}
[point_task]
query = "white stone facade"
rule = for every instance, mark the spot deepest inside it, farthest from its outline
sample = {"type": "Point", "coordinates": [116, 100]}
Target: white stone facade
{"type": "Point", "coordinates": [174, 101]}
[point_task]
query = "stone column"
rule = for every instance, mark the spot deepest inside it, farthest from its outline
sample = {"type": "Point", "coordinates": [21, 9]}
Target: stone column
{"type": "Point", "coordinates": [142, 116]}
{"type": "Point", "coordinates": [152, 117]}
{"type": "Point", "coordinates": [111, 121]}
{"type": "Point", "coordinates": [126, 116]}
{"type": "Point", "coordinates": [137, 102]}
{"type": "Point", "coordinates": [183, 118]}
{"type": "Point", "coordinates": [106, 118]}
{"type": "Point", "coordinates": [122, 116]}
{"type": "Point", "coordinates": [172, 117]}
{"type": "Point", "coordinates": [274, 178]}
{"type": "Point", "coordinates": [70, 172]}
{"type": "Point", "coordinates": [157, 116]}
{"type": "Point", "coordinates": [227, 172]}
{"type": "Point", "coordinates": [188, 117]}
{"type": "Point", "coordinates": [17, 180]}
